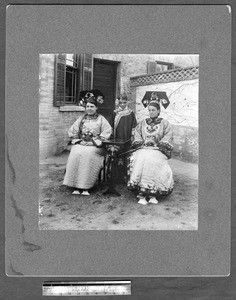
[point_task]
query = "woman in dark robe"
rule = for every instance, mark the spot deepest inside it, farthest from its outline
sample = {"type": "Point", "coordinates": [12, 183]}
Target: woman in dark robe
{"type": "Point", "coordinates": [123, 121]}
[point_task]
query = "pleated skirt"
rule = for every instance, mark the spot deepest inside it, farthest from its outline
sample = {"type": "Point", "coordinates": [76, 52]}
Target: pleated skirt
{"type": "Point", "coordinates": [150, 173]}
{"type": "Point", "coordinates": [83, 166]}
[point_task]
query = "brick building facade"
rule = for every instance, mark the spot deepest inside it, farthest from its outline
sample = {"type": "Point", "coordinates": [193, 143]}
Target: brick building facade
{"type": "Point", "coordinates": [54, 121]}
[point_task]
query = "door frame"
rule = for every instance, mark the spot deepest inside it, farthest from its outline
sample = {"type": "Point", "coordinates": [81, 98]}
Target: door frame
{"type": "Point", "coordinates": [117, 72]}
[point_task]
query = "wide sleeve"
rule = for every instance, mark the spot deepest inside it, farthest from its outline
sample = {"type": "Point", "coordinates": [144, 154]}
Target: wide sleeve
{"type": "Point", "coordinates": [73, 132]}
{"type": "Point", "coordinates": [106, 129]}
{"type": "Point", "coordinates": [165, 144]}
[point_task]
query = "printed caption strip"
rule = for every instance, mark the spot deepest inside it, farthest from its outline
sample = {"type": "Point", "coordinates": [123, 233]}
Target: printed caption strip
{"type": "Point", "coordinates": [92, 288]}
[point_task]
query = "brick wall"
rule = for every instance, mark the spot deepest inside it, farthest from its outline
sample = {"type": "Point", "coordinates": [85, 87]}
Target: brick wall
{"type": "Point", "coordinates": [53, 124]}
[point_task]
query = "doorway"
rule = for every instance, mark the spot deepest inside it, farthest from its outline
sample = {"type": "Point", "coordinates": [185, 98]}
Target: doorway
{"type": "Point", "coordinates": [104, 79]}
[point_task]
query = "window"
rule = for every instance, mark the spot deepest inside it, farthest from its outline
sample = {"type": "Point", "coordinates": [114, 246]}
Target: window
{"type": "Point", "coordinates": [73, 73]}
{"type": "Point", "coordinates": [159, 66]}
{"type": "Point", "coordinates": [71, 78]}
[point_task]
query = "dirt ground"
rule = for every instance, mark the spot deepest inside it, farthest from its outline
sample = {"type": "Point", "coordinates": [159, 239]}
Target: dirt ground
{"type": "Point", "coordinates": [60, 210]}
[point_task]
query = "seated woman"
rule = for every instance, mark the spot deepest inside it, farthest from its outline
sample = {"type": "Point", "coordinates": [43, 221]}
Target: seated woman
{"type": "Point", "coordinates": [149, 172]}
{"type": "Point", "coordinates": [86, 157]}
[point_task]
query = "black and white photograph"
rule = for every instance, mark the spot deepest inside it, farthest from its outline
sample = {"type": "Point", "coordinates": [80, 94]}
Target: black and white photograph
{"type": "Point", "coordinates": [118, 141]}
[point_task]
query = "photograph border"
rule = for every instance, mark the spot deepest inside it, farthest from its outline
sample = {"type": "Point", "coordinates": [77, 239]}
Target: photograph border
{"type": "Point", "coordinates": [23, 173]}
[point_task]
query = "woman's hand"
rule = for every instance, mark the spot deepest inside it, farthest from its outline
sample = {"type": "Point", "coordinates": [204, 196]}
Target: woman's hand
{"type": "Point", "coordinates": [97, 142]}
{"type": "Point", "coordinates": [149, 143]}
{"type": "Point", "coordinates": [84, 143]}
{"type": "Point", "coordinates": [75, 141]}
{"type": "Point", "coordinates": [136, 144]}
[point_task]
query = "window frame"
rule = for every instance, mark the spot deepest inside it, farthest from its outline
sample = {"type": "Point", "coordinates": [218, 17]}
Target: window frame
{"type": "Point", "coordinates": [83, 77]}
{"type": "Point", "coordinates": [74, 80]}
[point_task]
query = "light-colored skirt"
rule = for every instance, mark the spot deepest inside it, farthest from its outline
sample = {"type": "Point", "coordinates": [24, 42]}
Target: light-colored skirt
{"type": "Point", "coordinates": [149, 172]}
{"type": "Point", "coordinates": [83, 166]}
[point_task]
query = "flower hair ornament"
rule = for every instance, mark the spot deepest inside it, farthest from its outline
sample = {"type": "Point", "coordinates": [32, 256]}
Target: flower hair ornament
{"type": "Point", "coordinates": [94, 95]}
{"type": "Point", "coordinates": [157, 97]}
{"type": "Point", "coordinates": [89, 95]}
{"type": "Point", "coordinates": [154, 97]}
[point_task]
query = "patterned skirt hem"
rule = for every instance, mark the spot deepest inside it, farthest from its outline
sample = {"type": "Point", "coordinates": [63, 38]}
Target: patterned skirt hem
{"type": "Point", "coordinates": [149, 192]}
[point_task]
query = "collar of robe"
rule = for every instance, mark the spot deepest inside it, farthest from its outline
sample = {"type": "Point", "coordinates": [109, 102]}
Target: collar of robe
{"type": "Point", "coordinates": [119, 109]}
{"type": "Point", "coordinates": [91, 117]}
{"type": "Point", "coordinates": [155, 120]}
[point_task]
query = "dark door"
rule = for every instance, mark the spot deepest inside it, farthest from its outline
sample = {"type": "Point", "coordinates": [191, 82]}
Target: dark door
{"type": "Point", "coordinates": [104, 79]}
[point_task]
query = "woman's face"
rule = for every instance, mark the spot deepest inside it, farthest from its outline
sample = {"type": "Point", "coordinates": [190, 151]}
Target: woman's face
{"type": "Point", "coordinates": [153, 111]}
{"type": "Point", "coordinates": [91, 109]}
